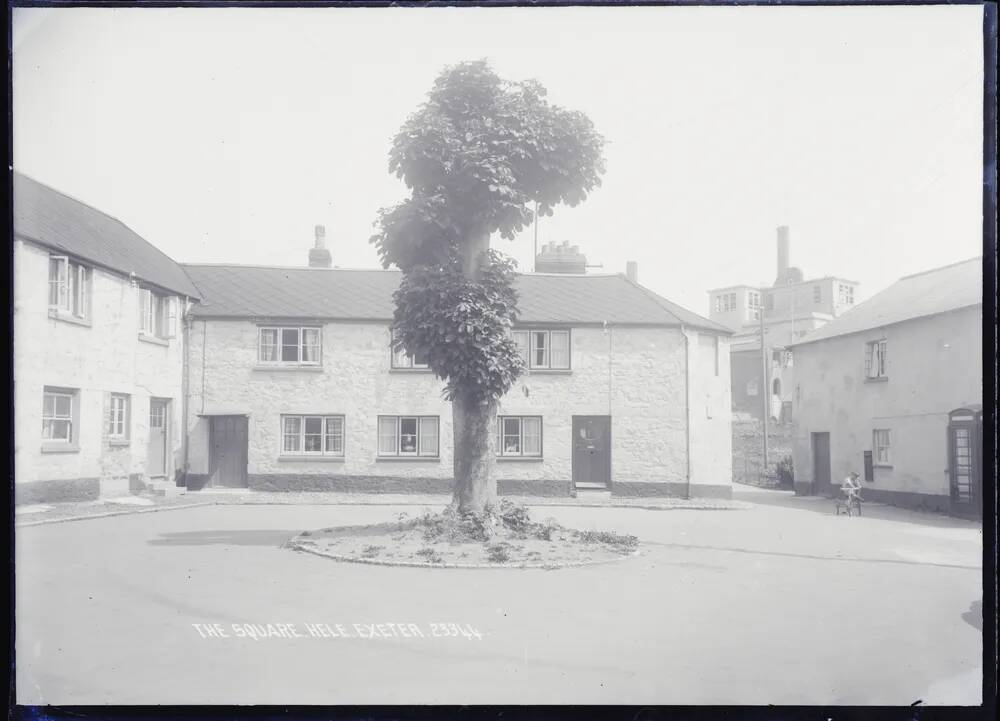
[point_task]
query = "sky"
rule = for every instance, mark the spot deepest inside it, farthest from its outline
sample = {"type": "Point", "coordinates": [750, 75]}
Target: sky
{"type": "Point", "coordinates": [226, 134]}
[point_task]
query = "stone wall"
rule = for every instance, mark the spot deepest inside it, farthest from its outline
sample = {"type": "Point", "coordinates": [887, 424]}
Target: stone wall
{"type": "Point", "coordinates": [748, 449]}
{"type": "Point", "coordinates": [635, 375]}
{"type": "Point", "coordinates": [96, 359]}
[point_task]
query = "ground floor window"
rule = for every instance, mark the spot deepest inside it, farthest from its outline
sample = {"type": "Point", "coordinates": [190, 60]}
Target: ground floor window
{"type": "Point", "coordinates": [59, 408]}
{"type": "Point", "coordinates": [519, 436]}
{"type": "Point", "coordinates": [881, 446]}
{"type": "Point", "coordinates": [312, 435]}
{"type": "Point", "coordinates": [408, 436]}
{"type": "Point", "coordinates": [118, 417]}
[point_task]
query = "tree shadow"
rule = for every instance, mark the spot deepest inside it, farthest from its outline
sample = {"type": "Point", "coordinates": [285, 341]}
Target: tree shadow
{"type": "Point", "coordinates": [974, 616]}
{"type": "Point", "coordinates": [256, 537]}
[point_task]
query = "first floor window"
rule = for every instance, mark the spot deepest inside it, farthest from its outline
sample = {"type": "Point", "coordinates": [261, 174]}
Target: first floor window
{"type": "Point", "coordinates": [408, 436]}
{"type": "Point", "coordinates": [157, 314]}
{"type": "Point", "coordinates": [69, 286]}
{"type": "Point", "coordinates": [817, 294]}
{"type": "Point", "coordinates": [312, 435]}
{"type": "Point", "coordinates": [58, 407]}
{"type": "Point", "coordinates": [543, 349]}
{"type": "Point", "coordinates": [519, 436]}
{"type": "Point", "coordinates": [298, 346]}
{"type": "Point", "coordinates": [402, 359]}
{"type": "Point", "coordinates": [875, 359]}
{"type": "Point", "coordinates": [881, 446]}
{"type": "Point", "coordinates": [118, 416]}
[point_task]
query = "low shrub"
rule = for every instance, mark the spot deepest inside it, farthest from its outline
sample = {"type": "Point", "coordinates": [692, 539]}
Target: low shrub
{"type": "Point", "coordinates": [498, 553]}
{"type": "Point", "coordinates": [627, 542]}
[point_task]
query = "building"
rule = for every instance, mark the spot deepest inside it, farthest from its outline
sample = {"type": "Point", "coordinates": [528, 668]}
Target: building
{"type": "Point", "coordinates": [98, 352]}
{"type": "Point", "coordinates": [792, 307]}
{"type": "Point", "coordinates": [893, 390]}
{"type": "Point", "coordinates": [293, 386]}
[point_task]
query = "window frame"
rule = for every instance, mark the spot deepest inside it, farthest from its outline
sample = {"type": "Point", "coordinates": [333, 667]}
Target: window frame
{"type": "Point", "coordinates": [817, 295]}
{"type": "Point", "coordinates": [300, 346]}
{"type": "Point", "coordinates": [882, 452]}
{"type": "Point", "coordinates": [325, 435]}
{"type": "Point", "coordinates": [71, 418]}
{"type": "Point", "coordinates": [157, 315]}
{"type": "Point", "coordinates": [119, 418]}
{"type": "Point", "coordinates": [72, 288]}
{"type": "Point", "coordinates": [418, 453]}
{"type": "Point", "coordinates": [531, 348]}
{"type": "Point", "coordinates": [881, 345]}
{"type": "Point", "coordinates": [401, 360]}
{"type": "Point", "coordinates": [502, 435]}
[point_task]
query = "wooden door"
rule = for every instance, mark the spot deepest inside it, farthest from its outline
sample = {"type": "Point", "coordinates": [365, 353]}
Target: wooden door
{"type": "Point", "coordinates": [821, 464]}
{"type": "Point", "coordinates": [592, 450]}
{"type": "Point", "coordinates": [159, 422]}
{"type": "Point", "coordinates": [228, 459]}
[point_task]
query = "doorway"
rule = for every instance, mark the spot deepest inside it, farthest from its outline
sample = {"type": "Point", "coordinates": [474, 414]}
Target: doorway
{"type": "Point", "coordinates": [821, 464]}
{"type": "Point", "coordinates": [965, 439]}
{"type": "Point", "coordinates": [592, 451]}
{"type": "Point", "coordinates": [159, 425]}
{"type": "Point", "coordinates": [228, 451]}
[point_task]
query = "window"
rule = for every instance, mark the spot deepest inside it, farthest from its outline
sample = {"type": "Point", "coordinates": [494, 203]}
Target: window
{"type": "Point", "coordinates": [817, 294]}
{"type": "Point", "coordinates": [519, 436]}
{"type": "Point", "coordinates": [725, 302]}
{"type": "Point", "coordinates": [69, 286]}
{"type": "Point", "coordinates": [752, 387]}
{"type": "Point", "coordinates": [157, 314]}
{"type": "Point", "coordinates": [732, 301]}
{"type": "Point", "coordinates": [754, 299]}
{"type": "Point", "coordinates": [543, 349]}
{"type": "Point", "coordinates": [769, 301]}
{"type": "Point", "coordinates": [59, 406]}
{"type": "Point", "coordinates": [402, 359]}
{"type": "Point", "coordinates": [408, 436]}
{"type": "Point", "coordinates": [118, 417]}
{"type": "Point", "coordinates": [289, 346]}
{"type": "Point", "coordinates": [881, 446]}
{"type": "Point", "coordinates": [312, 435]}
{"type": "Point", "coordinates": [718, 304]}
{"type": "Point", "coordinates": [846, 294]}
{"type": "Point", "coordinates": [875, 359]}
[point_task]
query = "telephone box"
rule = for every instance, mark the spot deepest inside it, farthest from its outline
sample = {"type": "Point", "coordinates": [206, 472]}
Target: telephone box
{"type": "Point", "coordinates": [965, 460]}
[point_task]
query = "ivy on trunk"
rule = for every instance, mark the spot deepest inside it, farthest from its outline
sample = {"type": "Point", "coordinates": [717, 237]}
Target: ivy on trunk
{"type": "Point", "coordinates": [475, 156]}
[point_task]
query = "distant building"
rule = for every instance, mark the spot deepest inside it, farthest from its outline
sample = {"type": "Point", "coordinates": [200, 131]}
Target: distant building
{"type": "Point", "coordinates": [893, 390]}
{"type": "Point", "coordinates": [792, 308]}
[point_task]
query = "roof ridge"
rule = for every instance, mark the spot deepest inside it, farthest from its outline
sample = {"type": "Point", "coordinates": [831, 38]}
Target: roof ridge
{"type": "Point", "coordinates": [667, 306]}
{"type": "Point", "coordinates": [942, 267]}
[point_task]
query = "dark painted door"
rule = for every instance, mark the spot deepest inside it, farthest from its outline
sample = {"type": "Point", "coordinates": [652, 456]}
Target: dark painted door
{"type": "Point", "coordinates": [821, 464]}
{"type": "Point", "coordinates": [592, 449]}
{"type": "Point", "coordinates": [228, 461]}
{"type": "Point", "coordinates": [964, 467]}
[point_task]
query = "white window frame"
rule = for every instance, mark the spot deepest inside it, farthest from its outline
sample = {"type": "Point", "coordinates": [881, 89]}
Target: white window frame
{"type": "Point", "coordinates": [532, 347]}
{"type": "Point", "coordinates": [326, 420]}
{"type": "Point", "coordinates": [876, 359]}
{"type": "Point", "coordinates": [119, 417]}
{"type": "Point", "coordinates": [401, 360]}
{"type": "Point", "coordinates": [300, 345]}
{"type": "Point", "coordinates": [157, 315]}
{"type": "Point", "coordinates": [882, 447]}
{"type": "Point", "coordinates": [502, 435]}
{"type": "Point", "coordinates": [71, 287]}
{"type": "Point", "coordinates": [69, 418]}
{"type": "Point", "coordinates": [817, 294]}
{"type": "Point", "coordinates": [422, 432]}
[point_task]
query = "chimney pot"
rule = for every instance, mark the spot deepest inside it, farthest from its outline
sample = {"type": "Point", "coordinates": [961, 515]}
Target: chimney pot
{"type": "Point", "coordinates": [632, 271]}
{"type": "Point", "coordinates": [319, 256]}
{"type": "Point", "coordinates": [784, 247]}
{"type": "Point", "coordinates": [320, 236]}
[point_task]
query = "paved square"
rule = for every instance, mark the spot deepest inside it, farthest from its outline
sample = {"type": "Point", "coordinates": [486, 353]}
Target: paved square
{"type": "Point", "coordinates": [782, 603]}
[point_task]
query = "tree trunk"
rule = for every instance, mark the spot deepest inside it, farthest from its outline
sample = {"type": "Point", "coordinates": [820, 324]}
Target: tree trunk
{"type": "Point", "coordinates": [474, 424]}
{"type": "Point", "coordinates": [473, 418]}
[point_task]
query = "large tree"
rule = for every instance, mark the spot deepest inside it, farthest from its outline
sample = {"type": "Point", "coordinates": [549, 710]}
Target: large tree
{"type": "Point", "coordinates": [476, 156]}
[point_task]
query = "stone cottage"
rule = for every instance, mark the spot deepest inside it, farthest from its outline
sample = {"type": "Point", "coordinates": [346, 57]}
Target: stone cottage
{"type": "Point", "coordinates": [893, 390]}
{"type": "Point", "coordinates": [98, 352]}
{"type": "Point", "coordinates": [293, 385]}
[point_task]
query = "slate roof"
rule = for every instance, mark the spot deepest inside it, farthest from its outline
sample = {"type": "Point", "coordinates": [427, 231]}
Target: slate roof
{"type": "Point", "coordinates": [241, 291]}
{"type": "Point", "coordinates": [959, 285]}
{"type": "Point", "coordinates": [66, 225]}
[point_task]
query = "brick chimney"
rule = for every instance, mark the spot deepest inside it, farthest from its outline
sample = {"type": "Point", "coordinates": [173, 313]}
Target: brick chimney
{"type": "Point", "coordinates": [564, 258]}
{"type": "Point", "coordinates": [319, 256]}
{"type": "Point", "coordinates": [632, 271]}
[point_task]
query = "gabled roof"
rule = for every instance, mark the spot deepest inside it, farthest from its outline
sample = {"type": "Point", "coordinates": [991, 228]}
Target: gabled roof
{"type": "Point", "coordinates": [63, 224]}
{"type": "Point", "coordinates": [959, 285]}
{"type": "Point", "coordinates": [242, 291]}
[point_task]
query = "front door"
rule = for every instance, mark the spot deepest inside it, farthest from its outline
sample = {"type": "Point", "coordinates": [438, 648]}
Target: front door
{"type": "Point", "coordinates": [592, 451]}
{"type": "Point", "coordinates": [821, 464]}
{"type": "Point", "coordinates": [159, 422]}
{"type": "Point", "coordinates": [964, 469]}
{"type": "Point", "coordinates": [228, 460]}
